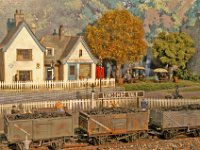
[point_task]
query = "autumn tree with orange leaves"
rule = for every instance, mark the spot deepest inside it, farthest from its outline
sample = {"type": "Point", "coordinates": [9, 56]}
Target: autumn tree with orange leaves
{"type": "Point", "coordinates": [117, 35]}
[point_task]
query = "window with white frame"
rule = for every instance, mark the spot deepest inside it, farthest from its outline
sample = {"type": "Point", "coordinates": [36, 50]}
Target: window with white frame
{"type": "Point", "coordinates": [49, 51]}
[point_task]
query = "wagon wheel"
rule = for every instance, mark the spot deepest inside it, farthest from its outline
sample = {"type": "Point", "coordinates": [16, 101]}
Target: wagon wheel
{"type": "Point", "coordinates": [57, 145]}
{"type": "Point", "coordinates": [54, 146]}
{"type": "Point", "coordinates": [60, 144]}
{"type": "Point", "coordinates": [167, 134]}
{"type": "Point", "coordinates": [195, 133]}
{"type": "Point", "coordinates": [94, 141]}
{"type": "Point", "coordinates": [103, 139]}
{"type": "Point", "coordinates": [143, 134]}
{"type": "Point", "coordinates": [133, 138]}
{"type": "Point", "coordinates": [198, 132]}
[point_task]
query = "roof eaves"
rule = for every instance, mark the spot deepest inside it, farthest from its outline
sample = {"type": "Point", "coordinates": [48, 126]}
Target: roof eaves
{"type": "Point", "coordinates": [19, 28]}
{"type": "Point", "coordinates": [86, 47]}
{"type": "Point", "coordinates": [71, 50]}
{"type": "Point", "coordinates": [88, 50]}
{"type": "Point", "coordinates": [35, 38]}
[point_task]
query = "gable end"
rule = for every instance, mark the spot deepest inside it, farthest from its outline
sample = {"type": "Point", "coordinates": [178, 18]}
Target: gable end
{"type": "Point", "coordinates": [23, 24]}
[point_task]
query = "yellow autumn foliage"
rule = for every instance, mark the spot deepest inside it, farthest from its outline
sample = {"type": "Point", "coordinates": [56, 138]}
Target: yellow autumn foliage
{"type": "Point", "coordinates": [117, 35]}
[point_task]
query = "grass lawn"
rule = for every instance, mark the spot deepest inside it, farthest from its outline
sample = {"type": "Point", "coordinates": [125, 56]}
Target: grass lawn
{"type": "Point", "coordinates": [148, 85]}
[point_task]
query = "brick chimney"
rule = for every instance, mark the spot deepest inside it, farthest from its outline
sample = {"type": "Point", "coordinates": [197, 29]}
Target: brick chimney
{"type": "Point", "coordinates": [19, 17]}
{"type": "Point", "coordinates": [61, 32]}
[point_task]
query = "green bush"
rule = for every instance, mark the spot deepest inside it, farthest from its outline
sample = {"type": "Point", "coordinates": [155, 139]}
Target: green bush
{"type": "Point", "coordinates": [194, 78]}
{"type": "Point", "coordinates": [185, 75]}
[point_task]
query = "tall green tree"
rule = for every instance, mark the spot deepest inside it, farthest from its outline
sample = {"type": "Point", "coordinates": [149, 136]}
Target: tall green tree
{"type": "Point", "coordinates": [173, 49]}
{"type": "Point", "coordinates": [117, 35]}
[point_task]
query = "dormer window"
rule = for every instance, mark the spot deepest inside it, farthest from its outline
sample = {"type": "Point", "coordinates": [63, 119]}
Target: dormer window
{"type": "Point", "coordinates": [80, 52]}
{"type": "Point", "coordinates": [49, 51]}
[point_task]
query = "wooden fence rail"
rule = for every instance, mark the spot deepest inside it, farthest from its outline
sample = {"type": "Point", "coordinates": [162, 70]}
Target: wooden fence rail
{"type": "Point", "coordinates": [52, 85]}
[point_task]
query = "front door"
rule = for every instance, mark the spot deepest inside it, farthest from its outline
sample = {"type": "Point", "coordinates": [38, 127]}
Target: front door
{"type": "Point", "coordinates": [72, 72]}
{"type": "Point", "coordinates": [49, 73]}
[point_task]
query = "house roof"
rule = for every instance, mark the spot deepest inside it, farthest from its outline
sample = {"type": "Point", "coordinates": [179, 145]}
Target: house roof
{"type": "Point", "coordinates": [13, 34]}
{"type": "Point", "coordinates": [63, 47]}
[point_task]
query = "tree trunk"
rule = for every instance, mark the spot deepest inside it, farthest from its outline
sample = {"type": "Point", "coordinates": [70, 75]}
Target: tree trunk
{"type": "Point", "coordinates": [118, 74]}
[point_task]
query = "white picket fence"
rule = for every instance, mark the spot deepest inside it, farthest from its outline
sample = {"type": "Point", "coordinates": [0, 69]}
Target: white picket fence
{"type": "Point", "coordinates": [53, 85]}
{"type": "Point", "coordinates": [71, 105]}
{"type": "Point", "coordinates": [87, 104]}
{"type": "Point", "coordinates": [167, 103]}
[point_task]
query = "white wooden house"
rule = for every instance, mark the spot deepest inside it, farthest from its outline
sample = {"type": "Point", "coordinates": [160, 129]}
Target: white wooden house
{"type": "Point", "coordinates": [21, 54]}
{"type": "Point", "coordinates": [68, 57]}
{"type": "Point", "coordinates": [55, 57]}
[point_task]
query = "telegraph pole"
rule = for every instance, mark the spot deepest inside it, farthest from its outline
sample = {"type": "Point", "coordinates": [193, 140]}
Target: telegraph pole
{"type": "Point", "coordinates": [100, 73]}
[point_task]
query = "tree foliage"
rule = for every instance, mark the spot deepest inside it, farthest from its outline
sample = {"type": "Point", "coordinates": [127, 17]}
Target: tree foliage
{"type": "Point", "coordinates": [117, 35]}
{"type": "Point", "coordinates": [173, 49]}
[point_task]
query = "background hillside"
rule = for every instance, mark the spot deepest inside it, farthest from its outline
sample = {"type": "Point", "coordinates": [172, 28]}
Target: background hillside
{"type": "Point", "coordinates": [75, 15]}
{"type": "Point", "coordinates": [47, 15]}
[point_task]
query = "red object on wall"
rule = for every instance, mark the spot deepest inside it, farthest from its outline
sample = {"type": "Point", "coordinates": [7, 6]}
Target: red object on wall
{"type": "Point", "coordinates": [98, 72]}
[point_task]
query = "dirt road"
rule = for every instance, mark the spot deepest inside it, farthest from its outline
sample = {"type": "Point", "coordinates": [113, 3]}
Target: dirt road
{"type": "Point", "coordinates": [187, 92]}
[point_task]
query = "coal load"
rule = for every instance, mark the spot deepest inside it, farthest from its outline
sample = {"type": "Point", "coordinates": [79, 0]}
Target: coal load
{"type": "Point", "coordinates": [182, 108]}
{"type": "Point", "coordinates": [36, 115]}
{"type": "Point", "coordinates": [107, 111]}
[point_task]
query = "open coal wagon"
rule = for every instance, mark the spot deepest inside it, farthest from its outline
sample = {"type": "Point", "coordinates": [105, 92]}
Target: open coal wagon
{"type": "Point", "coordinates": [40, 129]}
{"type": "Point", "coordinates": [174, 121]}
{"type": "Point", "coordinates": [109, 125]}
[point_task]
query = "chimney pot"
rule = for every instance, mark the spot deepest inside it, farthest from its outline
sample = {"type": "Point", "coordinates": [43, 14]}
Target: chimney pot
{"type": "Point", "coordinates": [19, 17]}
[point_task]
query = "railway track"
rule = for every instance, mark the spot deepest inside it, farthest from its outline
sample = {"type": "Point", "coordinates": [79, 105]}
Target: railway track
{"type": "Point", "coordinates": [179, 143]}
{"type": "Point", "coordinates": [33, 96]}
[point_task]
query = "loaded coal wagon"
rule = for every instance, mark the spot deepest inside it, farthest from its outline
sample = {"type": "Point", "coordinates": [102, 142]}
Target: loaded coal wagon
{"type": "Point", "coordinates": [47, 128]}
{"type": "Point", "coordinates": [173, 121]}
{"type": "Point", "coordinates": [114, 124]}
